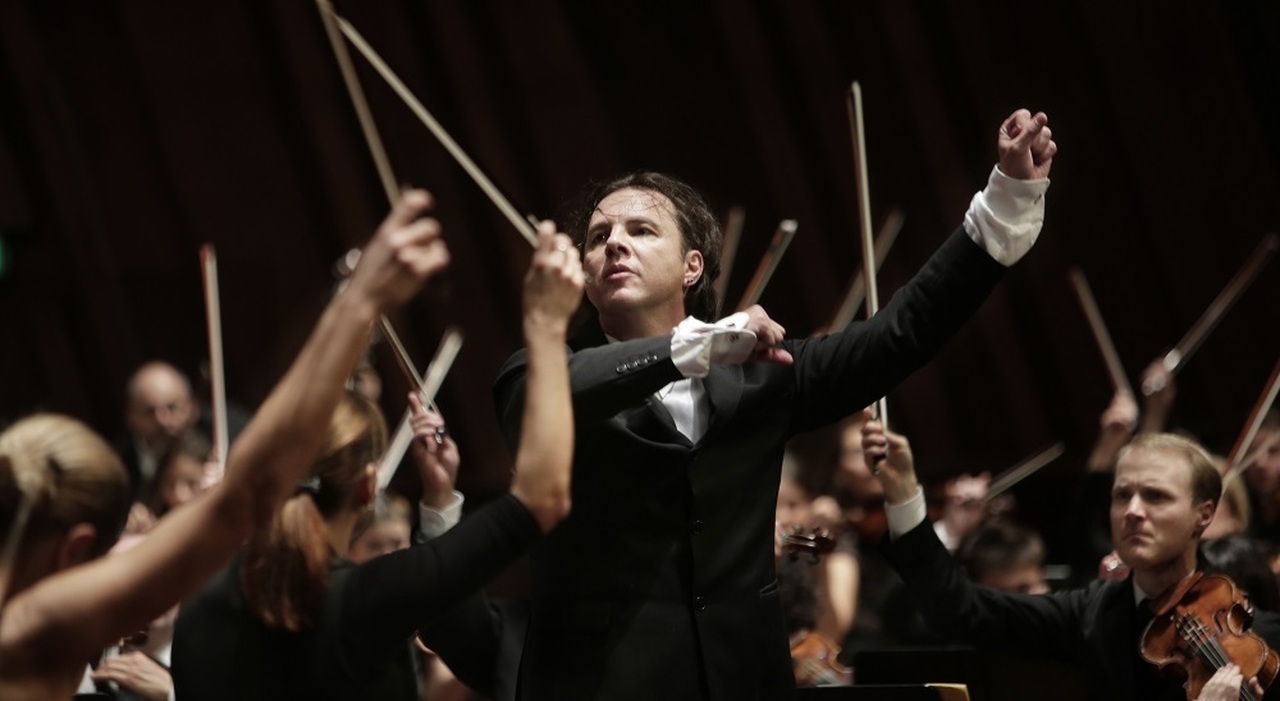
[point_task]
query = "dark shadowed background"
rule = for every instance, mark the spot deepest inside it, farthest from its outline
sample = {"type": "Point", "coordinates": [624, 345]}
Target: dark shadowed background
{"type": "Point", "coordinates": [133, 132]}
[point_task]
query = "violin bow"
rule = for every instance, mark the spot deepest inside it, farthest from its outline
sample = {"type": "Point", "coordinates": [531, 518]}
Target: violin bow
{"type": "Point", "coordinates": [733, 223]}
{"type": "Point", "coordinates": [495, 196]}
{"type": "Point", "coordinates": [428, 385]}
{"type": "Point", "coordinates": [217, 367]}
{"type": "Point", "coordinates": [1237, 462]}
{"type": "Point", "coordinates": [768, 263]}
{"type": "Point", "coordinates": [1007, 479]}
{"type": "Point", "coordinates": [1100, 334]}
{"type": "Point", "coordinates": [1251, 458]}
{"type": "Point", "coordinates": [857, 290]}
{"type": "Point", "coordinates": [358, 101]}
{"type": "Point", "coordinates": [373, 140]}
{"type": "Point", "coordinates": [858, 132]}
{"type": "Point", "coordinates": [1190, 343]}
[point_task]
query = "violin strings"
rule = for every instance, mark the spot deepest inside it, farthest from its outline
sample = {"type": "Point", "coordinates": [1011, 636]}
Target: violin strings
{"type": "Point", "coordinates": [1207, 647]}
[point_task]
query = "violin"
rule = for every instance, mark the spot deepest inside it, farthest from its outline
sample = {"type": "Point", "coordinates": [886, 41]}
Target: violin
{"type": "Point", "coordinates": [1202, 626]}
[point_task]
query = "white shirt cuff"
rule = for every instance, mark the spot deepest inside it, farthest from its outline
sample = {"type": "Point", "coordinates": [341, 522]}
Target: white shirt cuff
{"type": "Point", "coordinates": [696, 345]}
{"type": "Point", "coordinates": [433, 522]}
{"type": "Point", "coordinates": [907, 515]}
{"type": "Point", "coordinates": [1005, 218]}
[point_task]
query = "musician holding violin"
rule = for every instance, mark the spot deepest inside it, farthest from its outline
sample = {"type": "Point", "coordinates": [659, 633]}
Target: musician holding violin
{"type": "Point", "coordinates": [1126, 635]}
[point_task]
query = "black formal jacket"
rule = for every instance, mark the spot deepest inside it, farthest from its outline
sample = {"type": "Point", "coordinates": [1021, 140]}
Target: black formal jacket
{"type": "Point", "coordinates": [660, 584]}
{"type": "Point", "coordinates": [1097, 627]}
{"type": "Point", "coordinates": [358, 647]}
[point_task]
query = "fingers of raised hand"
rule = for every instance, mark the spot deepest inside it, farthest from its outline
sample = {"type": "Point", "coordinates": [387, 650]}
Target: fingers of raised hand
{"type": "Point", "coordinates": [556, 251]}
{"type": "Point", "coordinates": [1026, 145]}
{"type": "Point", "coordinates": [405, 250]}
{"type": "Point", "coordinates": [873, 438]}
{"type": "Point", "coordinates": [565, 257]}
{"type": "Point", "coordinates": [420, 248]}
{"type": "Point", "coordinates": [428, 426]}
{"type": "Point", "coordinates": [772, 354]}
{"type": "Point", "coordinates": [897, 443]}
{"type": "Point", "coordinates": [428, 423]}
{"type": "Point", "coordinates": [1043, 146]}
{"type": "Point", "coordinates": [410, 205]}
{"type": "Point", "coordinates": [553, 285]}
{"type": "Point", "coordinates": [415, 406]}
{"type": "Point", "coordinates": [1014, 124]}
{"type": "Point", "coordinates": [768, 332]}
{"type": "Point", "coordinates": [1022, 128]}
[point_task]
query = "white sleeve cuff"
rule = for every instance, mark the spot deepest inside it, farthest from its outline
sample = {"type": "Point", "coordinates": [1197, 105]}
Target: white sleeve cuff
{"type": "Point", "coordinates": [433, 522]}
{"type": "Point", "coordinates": [1005, 218]}
{"type": "Point", "coordinates": [907, 515]}
{"type": "Point", "coordinates": [697, 345]}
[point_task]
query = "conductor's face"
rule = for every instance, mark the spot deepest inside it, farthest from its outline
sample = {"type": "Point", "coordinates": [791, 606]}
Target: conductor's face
{"type": "Point", "coordinates": [1155, 520]}
{"type": "Point", "coordinates": [634, 255]}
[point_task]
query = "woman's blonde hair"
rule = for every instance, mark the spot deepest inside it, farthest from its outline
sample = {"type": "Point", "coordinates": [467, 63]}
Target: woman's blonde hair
{"type": "Point", "coordinates": [68, 475]}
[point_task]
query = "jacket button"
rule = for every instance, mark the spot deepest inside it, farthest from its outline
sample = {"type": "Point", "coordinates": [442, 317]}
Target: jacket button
{"type": "Point", "coordinates": [620, 369]}
{"type": "Point", "coordinates": [699, 603]}
{"type": "Point", "coordinates": [698, 526]}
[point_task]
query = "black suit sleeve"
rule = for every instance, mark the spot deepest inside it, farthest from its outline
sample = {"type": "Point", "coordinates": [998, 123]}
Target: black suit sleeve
{"type": "Point", "coordinates": [1047, 625]}
{"type": "Point", "coordinates": [604, 380]}
{"type": "Point", "coordinates": [839, 374]}
{"type": "Point", "coordinates": [389, 597]}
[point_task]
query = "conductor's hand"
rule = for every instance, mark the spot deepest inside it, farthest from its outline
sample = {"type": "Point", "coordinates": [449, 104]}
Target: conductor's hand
{"type": "Point", "coordinates": [405, 250]}
{"type": "Point", "coordinates": [769, 335]}
{"type": "Point", "coordinates": [553, 285]}
{"type": "Point", "coordinates": [892, 455]}
{"type": "Point", "coordinates": [1026, 146]}
{"type": "Point", "coordinates": [435, 454]}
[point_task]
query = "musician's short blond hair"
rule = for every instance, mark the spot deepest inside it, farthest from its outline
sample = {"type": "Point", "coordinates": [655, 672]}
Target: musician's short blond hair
{"type": "Point", "coordinates": [1206, 481]}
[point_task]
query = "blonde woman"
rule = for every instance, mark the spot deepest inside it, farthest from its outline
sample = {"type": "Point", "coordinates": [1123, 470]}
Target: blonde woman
{"type": "Point", "coordinates": [63, 494]}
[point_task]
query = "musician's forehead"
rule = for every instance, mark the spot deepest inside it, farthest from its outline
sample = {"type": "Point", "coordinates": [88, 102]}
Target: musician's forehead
{"type": "Point", "coordinates": [633, 203]}
{"type": "Point", "coordinates": [1153, 467]}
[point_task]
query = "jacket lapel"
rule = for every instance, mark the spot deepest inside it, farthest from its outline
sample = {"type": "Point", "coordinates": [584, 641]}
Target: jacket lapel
{"type": "Point", "coordinates": [724, 391]}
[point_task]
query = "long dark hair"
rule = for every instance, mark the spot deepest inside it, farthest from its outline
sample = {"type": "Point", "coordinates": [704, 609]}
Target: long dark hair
{"type": "Point", "coordinates": [698, 225]}
{"type": "Point", "coordinates": [285, 570]}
